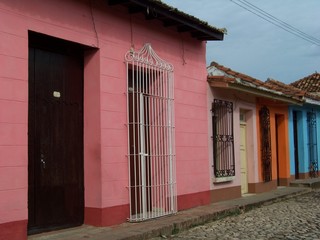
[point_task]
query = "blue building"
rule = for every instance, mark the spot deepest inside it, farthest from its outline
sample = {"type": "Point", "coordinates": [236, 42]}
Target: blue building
{"type": "Point", "coordinates": [304, 130]}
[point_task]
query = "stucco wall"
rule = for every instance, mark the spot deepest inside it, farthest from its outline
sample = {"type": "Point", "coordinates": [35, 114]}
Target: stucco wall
{"type": "Point", "coordinates": [110, 34]}
{"type": "Point", "coordinates": [241, 102]}
{"type": "Point", "coordinates": [303, 149]}
{"type": "Point", "coordinates": [280, 152]}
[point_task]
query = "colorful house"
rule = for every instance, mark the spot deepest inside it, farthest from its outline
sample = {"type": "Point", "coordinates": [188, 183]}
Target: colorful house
{"type": "Point", "coordinates": [249, 141]}
{"type": "Point", "coordinates": [103, 113]}
{"type": "Point", "coordinates": [304, 129]}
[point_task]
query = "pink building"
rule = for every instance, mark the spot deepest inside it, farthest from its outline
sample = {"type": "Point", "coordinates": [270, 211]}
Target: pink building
{"type": "Point", "coordinates": [103, 114]}
{"type": "Point", "coordinates": [249, 128]}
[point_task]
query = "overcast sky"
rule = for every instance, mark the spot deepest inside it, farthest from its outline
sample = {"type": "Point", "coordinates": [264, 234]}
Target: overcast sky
{"type": "Point", "coordinates": [256, 47]}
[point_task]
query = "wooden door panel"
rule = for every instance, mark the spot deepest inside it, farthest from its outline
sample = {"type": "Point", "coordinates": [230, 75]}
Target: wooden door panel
{"type": "Point", "coordinates": [56, 192]}
{"type": "Point", "coordinates": [243, 159]}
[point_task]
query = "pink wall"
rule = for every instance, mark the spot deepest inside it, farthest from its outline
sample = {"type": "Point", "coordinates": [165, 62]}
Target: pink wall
{"type": "Point", "coordinates": [240, 102]}
{"type": "Point", "coordinates": [106, 168]}
{"type": "Point", "coordinates": [13, 123]}
{"type": "Point", "coordinates": [251, 133]}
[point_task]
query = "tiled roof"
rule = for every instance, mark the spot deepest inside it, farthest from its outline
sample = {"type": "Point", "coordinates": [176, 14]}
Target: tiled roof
{"type": "Point", "coordinates": [221, 74]}
{"type": "Point", "coordinates": [285, 88]}
{"type": "Point", "coordinates": [310, 83]}
{"type": "Point", "coordinates": [290, 89]}
{"type": "Point", "coordinates": [233, 74]}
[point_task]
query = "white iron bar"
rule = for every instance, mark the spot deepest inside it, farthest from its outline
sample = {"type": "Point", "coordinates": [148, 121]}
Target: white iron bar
{"type": "Point", "coordinates": [128, 126]}
{"type": "Point", "coordinates": [133, 151]}
{"type": "Point", "coordinates": [154, 194]}
{"type": "Point", "coordinates": [137, 161]}
{"type": "Point", "coordinates": [159, 144]}
{"type": "Point", "coordinates": [161, 153]}
{"type": "Point", "coordinates": [166, 129]}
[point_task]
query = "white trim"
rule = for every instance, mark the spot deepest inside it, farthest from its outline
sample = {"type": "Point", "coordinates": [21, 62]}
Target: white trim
{"type": "Point", "coordinates": [223, 179]}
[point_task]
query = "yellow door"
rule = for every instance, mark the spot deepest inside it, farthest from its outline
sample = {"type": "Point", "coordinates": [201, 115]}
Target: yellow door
{"type": "Point", "coordinates": [243, 159]}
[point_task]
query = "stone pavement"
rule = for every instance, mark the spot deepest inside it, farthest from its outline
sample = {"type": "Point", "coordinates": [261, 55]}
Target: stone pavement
{"type": "Point", "coordinates": [183, 220]}
{"type": "Point", "coordinates": [292, 218]}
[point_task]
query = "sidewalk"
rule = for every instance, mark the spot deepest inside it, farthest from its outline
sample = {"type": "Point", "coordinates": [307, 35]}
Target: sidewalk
{"type": "Point", "coordinates": [166, 226]}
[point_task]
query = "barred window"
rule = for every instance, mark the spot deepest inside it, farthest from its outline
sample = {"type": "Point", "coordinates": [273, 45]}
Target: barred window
{"type": "Point", "coordinates": [151, 150]}
{"type": "Point", "coordinates": [223, 140]}
{"type": "Point", "coordinates": [264, 115]}
{"type": "Point", "coordinates": [312, 144]}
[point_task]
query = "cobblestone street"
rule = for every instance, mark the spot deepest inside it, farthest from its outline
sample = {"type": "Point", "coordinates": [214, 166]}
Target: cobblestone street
{"type": "Point", "coordinates": [295, 218]}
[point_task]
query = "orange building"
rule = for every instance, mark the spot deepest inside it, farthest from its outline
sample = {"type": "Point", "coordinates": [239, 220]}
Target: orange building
{"type": "Point", "coordinates": [273, 145]}
{"type": "Point", "coordinates": [272, 131]}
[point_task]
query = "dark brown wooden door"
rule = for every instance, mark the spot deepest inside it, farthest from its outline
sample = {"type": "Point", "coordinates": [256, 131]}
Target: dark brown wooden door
{"type": "Point", "coordinates": [56, 189]}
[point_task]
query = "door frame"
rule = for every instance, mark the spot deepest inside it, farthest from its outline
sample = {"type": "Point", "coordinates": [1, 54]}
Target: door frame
{"type": "Point", "coordinates": [55, 45]}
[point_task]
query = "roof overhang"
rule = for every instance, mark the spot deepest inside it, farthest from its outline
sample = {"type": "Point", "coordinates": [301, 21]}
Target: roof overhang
{"type": "Point", "coordinates": [171, 17]}
{"type": "Point", "coordinates": [251, 90]}
{"type": "Point", "coordinates": [312, 101]}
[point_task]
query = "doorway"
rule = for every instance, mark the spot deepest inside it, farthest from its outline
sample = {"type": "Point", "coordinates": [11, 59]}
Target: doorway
{"type": "Point", "coordinates": [140, 161]}
{"type": "Point", "coordinates": [150, 135]}
{"type": "Point", "coordinates": [243, 153]}
{"type": "Point", "coordinates": [55, 140]}
{"type": "Point", "coordinates": [295, 144]}
{"type": "Point", "coordinates": [280, 149]}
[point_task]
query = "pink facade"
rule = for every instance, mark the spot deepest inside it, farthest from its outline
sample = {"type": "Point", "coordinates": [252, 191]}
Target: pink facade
{"type": "Point", "coordinates": [228, 188]}
{"type": "Point", "coordinates": [107, 33]}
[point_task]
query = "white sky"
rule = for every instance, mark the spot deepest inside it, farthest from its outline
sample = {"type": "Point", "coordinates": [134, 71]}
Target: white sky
{"type": "Point", "coordinates": [254, 46]}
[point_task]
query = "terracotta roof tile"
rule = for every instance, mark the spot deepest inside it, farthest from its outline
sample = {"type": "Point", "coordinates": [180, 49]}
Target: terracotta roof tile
{"type": "Point", "coordinates": [310, 83]}
{"type": "Point", "coordinates": [285, 88]}
{"type": "Point", "coordinates": [235, 74]}
{"type": "Point", "coordinates": [272, 86]}
{"type": "Point", "coordinates": [314, 96]}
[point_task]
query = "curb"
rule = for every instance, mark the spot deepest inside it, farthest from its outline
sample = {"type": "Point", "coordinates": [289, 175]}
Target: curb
{"type": "Point", "coordinates": [197, 216]}
{"type": "Point", "coordinates": [183, 220]}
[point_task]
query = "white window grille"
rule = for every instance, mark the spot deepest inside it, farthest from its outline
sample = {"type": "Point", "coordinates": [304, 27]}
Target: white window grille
{"type": "Point", "coordinates": [151, 147]}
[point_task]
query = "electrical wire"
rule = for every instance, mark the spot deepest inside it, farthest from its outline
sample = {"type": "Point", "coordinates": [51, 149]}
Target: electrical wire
{"type": "Point", "coordinates": [280, 21]}
{"type": "Point", "coordinates": [275, 21]}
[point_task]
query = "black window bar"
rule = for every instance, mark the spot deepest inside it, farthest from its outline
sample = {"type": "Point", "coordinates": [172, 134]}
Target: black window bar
{"type": "Point", "coordinates": [264, 116]}
{"type": "Point", "coordinates": [223, 140]}
{"type": "Point", "coordinates": [312, 144]}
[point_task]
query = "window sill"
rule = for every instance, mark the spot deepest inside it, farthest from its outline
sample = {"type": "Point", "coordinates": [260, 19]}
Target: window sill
{"type": "Point", "coordinates": [223, 179]}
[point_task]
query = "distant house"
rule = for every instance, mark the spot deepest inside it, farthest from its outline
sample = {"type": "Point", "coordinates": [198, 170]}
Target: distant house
{"type": "Point", "coordinates": [305, 130]}
{"type": "Point", "coordinates": [103, 113]}
{"type": "Point", "coordinates": [248, 145]}
{"type": "Point", "coordinates": [310, 84]}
